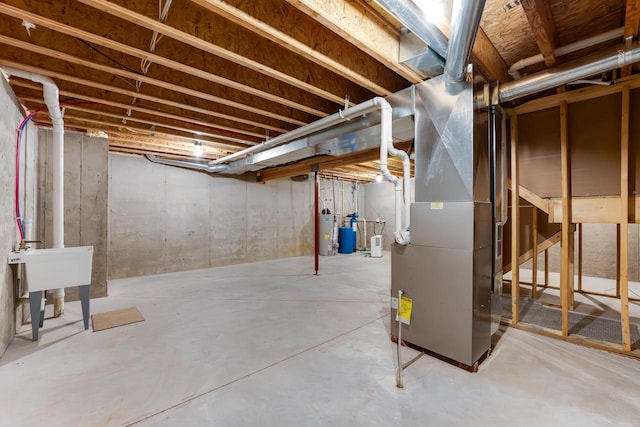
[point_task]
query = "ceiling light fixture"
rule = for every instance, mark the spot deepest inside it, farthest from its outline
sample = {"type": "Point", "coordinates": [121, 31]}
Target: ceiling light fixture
{"type": "Point", "coordinates": [198, 150]}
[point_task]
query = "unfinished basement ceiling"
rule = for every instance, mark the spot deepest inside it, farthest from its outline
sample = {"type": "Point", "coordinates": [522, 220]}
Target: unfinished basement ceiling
{"type": "Point", "coordinates": [157, 76]}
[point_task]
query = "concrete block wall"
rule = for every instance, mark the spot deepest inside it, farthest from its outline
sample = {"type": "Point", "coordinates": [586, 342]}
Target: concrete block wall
{"type": "Point", "coordinates": [10, 117]}
{"type": "Point", "coordinates": [164, 219]}
{"type": "Point", "coordinates": [85, 200]}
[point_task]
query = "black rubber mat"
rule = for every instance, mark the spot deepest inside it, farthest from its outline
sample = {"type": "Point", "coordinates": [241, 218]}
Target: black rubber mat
{"type": "Point", "coordinates": [597, 328]}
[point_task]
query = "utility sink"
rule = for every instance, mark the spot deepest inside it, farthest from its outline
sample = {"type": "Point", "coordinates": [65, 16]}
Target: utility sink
{"type": "Point", "coordinates": [52, 269]}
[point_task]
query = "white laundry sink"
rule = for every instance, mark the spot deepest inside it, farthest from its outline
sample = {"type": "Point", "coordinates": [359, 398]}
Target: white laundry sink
{"type": "Point", "coordinates": [52, 269]}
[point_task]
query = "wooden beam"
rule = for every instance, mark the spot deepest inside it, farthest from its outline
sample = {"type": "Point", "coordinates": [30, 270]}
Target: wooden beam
{"type": "Point", "coordinates": [624, 221]}
{"type": "Point", "coordinates": [324, 163]}
{"type": "Point", "coordinates": [580, 257]}
{"type": "Point", "coordinates": [156, 59]}
{"type": "Point", "coordinates": [566, 217]}
{"type": "Point", "coordinates": [489, 59]}
{"type": "Point", "coordinates": [578, 95]}
{"type": "Point", "coordinates": [534, 257]}
{"type": "Point", "coordinates": [127, 120]}
{"type": "Point", "coordinates": [102, 101]}
{"type": "Point", "coordinates": [30, 47]}
{"type": "Point", "coordinates": [191, 40]}
{"type": "Point", "coordinates": [156, 100]}
{"type": "Point", "coordinates": [542, 25]}
{"type": "Point", "coordinates": [605, 210]}
{"type": "Point", "coordinates": [542, 246]}
{"type": "Point", "coordinates": [631, 22]}
{"type": "Point", "coordinates": [515, 222]}
{"type": "Point", "coordinates": [247, 21]}
{"type": "Point", "coordinates": [360, 27]}
{"type": "Point", "coordinates": [531, 197]}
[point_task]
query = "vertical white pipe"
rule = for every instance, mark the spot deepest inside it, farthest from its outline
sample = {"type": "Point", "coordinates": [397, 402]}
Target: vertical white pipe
{"type": "Point", "coordinates": [51, 99]}
{"type": "Point", "coordinates": [386, 148]}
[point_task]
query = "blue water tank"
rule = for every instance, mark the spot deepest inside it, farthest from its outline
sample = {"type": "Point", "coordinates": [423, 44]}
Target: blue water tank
{"type": "Point", "coordinates": [345, 240]}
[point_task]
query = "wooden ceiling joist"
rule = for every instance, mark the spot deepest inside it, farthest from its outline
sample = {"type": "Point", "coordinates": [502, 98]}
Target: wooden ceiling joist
{"type": "Point", "coordinates": [323, 162]}
{"type": "Point", "coordinates": [247, 21]}
{"type": "Point", "coordinates": [30, 47]}
{"type": "Point", "coordinates": [156, 59]}
{"type": "Point", "coordinates": [155, 100]}
{"type": "Point", "coordinates": [191, 40]}
{"type": "Point", "coordinates": [357, 25]}
{"type": "Point", "coordinates": [542, 25]}
{"type": "Point", "coordinates": [156, 126]}
{"type": "Point", "coordinates": [631, 23]}
{"type": "Point", "coordinates": [102, 101]}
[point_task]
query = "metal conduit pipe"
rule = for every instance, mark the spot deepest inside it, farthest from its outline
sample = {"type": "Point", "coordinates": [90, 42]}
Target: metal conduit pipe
{"type": "Point", "coordinates": [51, 100]}
{"type": "Point", "coordinates": [465, 21]}
{"type": "Point", "coordinates": [581, 44]}
{"type": "Point", "coordinates": [566, 73]}
{"type": "Point", "coordinates": [186, 164]}
{"type": "Point", "coordinates": [416, 20]}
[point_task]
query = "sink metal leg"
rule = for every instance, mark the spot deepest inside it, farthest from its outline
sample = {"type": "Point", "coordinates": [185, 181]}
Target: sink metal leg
{"type": "Point", "coordinates": [34, 305]}
{"type": "Point", "coordinates": [84, 300]}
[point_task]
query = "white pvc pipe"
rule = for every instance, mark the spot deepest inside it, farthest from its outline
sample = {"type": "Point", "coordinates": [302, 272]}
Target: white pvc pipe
{"type": "Point", "coordinates": [51, 100]}
{"type": "Point", "coordinates": [581, 44]}
{"type": "Point", "coordinates": [387, 148]}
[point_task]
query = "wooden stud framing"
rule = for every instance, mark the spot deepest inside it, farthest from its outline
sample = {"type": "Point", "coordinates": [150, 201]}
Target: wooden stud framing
{"type": "Point", "coordinates": [534, 259]}
{"type": "Point", "coordinates": [546, 268]}
{"type": "Point", "coordinates": [618, 269]}
{"type": "Point", "coordinates": [624, 222]}
{"type": "Point", "coordinates": [566, 217]}
{"type": "Point", "coordinates": [579, 257]}
{"type": "Point", "coordinates": [515, 222]}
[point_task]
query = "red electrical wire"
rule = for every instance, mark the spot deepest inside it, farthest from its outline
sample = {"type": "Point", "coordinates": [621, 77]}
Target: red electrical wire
{"type": "Point", "coordinates": [18, 138]}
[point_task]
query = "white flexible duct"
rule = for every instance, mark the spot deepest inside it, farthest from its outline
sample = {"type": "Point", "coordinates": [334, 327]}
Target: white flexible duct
{"type": "Point", "coordinates": [50, 92]}
{"type": "Point", "coordinates": [515, 68]}
{"type": "Point", "coordinates": [386, 148]}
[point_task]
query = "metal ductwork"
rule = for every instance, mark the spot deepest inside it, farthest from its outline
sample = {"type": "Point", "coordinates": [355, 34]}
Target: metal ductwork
{"type": "Point", "coordinates": [185, 164]}
{"type": "Point", "coordinates": [566, 73]}
{"type": "Point", "coordinates": [416, 20]}
{"type": "Point", "coordinates": [465, 22]}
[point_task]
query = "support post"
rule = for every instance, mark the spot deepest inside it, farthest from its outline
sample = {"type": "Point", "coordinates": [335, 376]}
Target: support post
{"type": "Point", "coordinates": [565, 294]}
{"type": "Point", "coordinates": [316, 221]}
{"type": "Point", "coordinates": [624, 222]}
{"type": "Point", "coordinates": [534, 260]}
{"type": "Point", "coordinates": [617, 260]}
{"type": "Point", "coordinates": [580, 257]}
{"type": "Point", "coordinates": [515, 221]}
{"type": "Point", "coordinates": [546, 268]}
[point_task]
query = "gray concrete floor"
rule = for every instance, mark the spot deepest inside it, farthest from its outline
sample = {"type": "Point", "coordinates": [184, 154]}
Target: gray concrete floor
{"type": "Point", "coordinates": [269, 344]}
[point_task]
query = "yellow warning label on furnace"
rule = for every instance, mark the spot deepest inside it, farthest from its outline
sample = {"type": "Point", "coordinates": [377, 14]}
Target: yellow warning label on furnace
{"type": "Point", "coordinates": [326, 236]}
{"type": "Point", "coordinates": [404, 310]}
{"type": "Point", "coordinates": [437, 205]}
